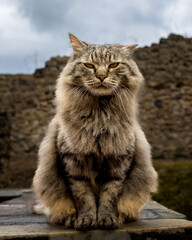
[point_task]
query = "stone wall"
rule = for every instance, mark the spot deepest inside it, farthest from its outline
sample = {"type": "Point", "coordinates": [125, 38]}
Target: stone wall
{"type": "Point", "coordinates": [165, 109]}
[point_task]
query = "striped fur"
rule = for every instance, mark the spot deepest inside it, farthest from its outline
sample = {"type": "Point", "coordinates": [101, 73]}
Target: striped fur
{"type": "Point", "coordinates": [95, 166]}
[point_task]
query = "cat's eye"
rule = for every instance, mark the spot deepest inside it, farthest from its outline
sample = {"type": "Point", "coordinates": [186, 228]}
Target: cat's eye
{"type": "Point", "coordinates": [89, 65]}
{"type": "Point", "coordinates": [113, 65]}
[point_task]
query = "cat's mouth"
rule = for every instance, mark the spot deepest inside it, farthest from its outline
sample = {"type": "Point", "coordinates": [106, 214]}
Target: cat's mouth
{"type": "Point", "coordinates": [101, 89]}
{"type": "Point", "coordinates": [101, 86]}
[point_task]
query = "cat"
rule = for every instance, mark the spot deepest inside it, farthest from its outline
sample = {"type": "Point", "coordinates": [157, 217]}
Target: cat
{"type": "Point", "coordinates": [95, 168]}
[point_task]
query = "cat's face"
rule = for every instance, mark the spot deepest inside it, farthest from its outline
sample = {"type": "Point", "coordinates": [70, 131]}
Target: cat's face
{"type": "Point", "coordinates": [101, 69]}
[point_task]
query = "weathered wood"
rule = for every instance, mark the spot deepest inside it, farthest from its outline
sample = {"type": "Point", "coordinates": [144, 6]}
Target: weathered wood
{"type": "Point", "coordinates": [6, 195]}
{"type": "Point", "coordinates": [22, 220]}
{"type": "Point", "coordinates": [154, 210]}
{"type": "Point", "coordinates": [156, 222]}
{"type": "Point", "coordinates": [147, 227]}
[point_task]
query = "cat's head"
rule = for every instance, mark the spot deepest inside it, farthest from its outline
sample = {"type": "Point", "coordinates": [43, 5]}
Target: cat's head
{"type": "Point", "coordinates": [103, 69]}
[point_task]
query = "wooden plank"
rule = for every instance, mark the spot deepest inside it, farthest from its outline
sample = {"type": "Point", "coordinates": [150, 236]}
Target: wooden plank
{"type": "Point", "coordinates": [25, 198]}
{"type": "Point", "coordinates": [4, 195]}
{"type": "Point", "coordinates": [11, 209]}
{"type": "Point", "coordinates": [14, 192]}
{"type": "Point", "coordinates": [9, 194]}
{"type": "Point", "coordinates": [17, 222]}
{"type": "Point", "coordinates": [160, 214]}
{"type": "Point", "coordinates": [151, 204]}
{"type": "Point", "coordinates": [45, 230]}
{"type": "Point", "coordinates": [154, 210]}
{"type": "Point", "coordinates": [22, 220]}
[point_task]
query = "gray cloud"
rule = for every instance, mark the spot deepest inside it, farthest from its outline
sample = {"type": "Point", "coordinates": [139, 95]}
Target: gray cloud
{"type": "Point", "coordinates": [92, 18]}
{"type": "Point", "coordinates": [46, 15]}
{"type": "Point", "coordinates": [40, 28]}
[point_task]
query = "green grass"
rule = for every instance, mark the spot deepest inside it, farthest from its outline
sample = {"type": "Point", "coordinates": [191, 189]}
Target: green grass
{"type": "Point", "coordinates": [175, 185]}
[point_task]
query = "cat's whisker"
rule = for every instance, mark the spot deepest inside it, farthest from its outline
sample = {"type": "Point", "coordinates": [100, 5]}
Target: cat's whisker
{"type": "Point", "coordinates": [75, 89]}
{"type": "Point", "coordinates": [127, 90]}
{"type": "Point", "coordinates": [117, 97]}
{"type": "Point", "coordinates": [112, 84]}
{"type": "Point", "coordinates": [92, 84]}
{"type": "Point", "coordinates": [121, 101]}
{"type": "Point", "coordinates": [83, 93]}
{"type": "Point", "coordinates": [72, 89]}
{"type": "Point", "coordinates": [90, 80]}
{"type": "Point", "coordinates": [122, 73]}
{"type": "Point", "coordinates": [126, 96]}
{"type": "Point", "coordinates": [113, 80]}
{"type": "Point", "coordinates": [80, 90]}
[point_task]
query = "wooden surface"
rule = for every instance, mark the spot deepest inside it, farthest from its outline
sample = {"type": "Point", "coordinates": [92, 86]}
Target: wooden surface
{"type": "Point", "coordinates": [156, 222]}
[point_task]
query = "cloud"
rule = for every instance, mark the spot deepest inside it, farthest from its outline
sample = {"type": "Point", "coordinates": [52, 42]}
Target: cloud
{"type": "Point", "coordinates": [99, 20]}
{"type": "Point", "coordinates": [178, 17]}
{"type": "Point", "coordinates": [46, 15]}
{"type": "Point", "coordinates": [37, 30]}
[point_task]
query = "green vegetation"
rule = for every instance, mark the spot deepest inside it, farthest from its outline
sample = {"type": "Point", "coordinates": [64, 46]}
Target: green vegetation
{"type": "Point", "coordinates": [175, 185]}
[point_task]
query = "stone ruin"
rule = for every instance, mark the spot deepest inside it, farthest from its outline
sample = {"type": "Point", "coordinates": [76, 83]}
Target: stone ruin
{"type": "Point", "coordinates": [165, 109]}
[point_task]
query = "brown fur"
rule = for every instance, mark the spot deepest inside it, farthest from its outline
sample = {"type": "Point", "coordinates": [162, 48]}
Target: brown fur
{"type": "Point", "coordinates": [95, 166]}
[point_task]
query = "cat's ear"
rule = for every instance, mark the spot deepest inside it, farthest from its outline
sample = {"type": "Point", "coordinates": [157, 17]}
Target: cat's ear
{"type": "Point", "coordinates": [130, 48]}
{"type": "Point", "coordinates": [77, 44]}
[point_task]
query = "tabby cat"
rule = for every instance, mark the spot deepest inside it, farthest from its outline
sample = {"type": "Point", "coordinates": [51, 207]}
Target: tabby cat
{"type": "Point", "coordinates": [94, 168]}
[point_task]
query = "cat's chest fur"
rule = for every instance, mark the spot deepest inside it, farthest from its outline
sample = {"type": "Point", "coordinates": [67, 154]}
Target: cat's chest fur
{"type": "Point", "coordinates": [97, 129]}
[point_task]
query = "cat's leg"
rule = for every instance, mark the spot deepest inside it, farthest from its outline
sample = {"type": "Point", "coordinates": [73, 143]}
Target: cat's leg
{"type": "Point", "coordinates": [113, 178]}
{"type": "Point", "coordinates": [50, 187]}
{"type": "Point", "coordinates": [85, 203]}
{"type": "Point", "coordinates": [107, 209]}
{"type": "Point", "coordinates": [140, 182]}
{"type": "Point", "coordinates": [82, 194]}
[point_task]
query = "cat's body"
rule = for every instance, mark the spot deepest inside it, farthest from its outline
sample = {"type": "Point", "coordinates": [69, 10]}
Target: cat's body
{"type": "Point", "coordinates": [95, 165]}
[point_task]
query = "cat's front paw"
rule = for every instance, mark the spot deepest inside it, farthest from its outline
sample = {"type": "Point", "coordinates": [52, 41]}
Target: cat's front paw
{"type": "Point", "coordinates": [56, 219]}
{"type": "Point", "coordinates": [85, 223]}
{"type": "Point", "coordinates": [125, 218]}
{"type": "Point", "coordinates": [70, 221]}
{"type": "Point", "coordinates": [60, 219]}
{"type": "Point", "coordinates": [108, 222]}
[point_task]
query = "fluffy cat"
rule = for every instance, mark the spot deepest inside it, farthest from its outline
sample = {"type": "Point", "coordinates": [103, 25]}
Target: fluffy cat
{"type": "Point", "coordinates": [94, 168]}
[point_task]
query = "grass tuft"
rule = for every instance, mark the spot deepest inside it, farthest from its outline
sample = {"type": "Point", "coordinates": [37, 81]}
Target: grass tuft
{"type": "Point", "coordinates": [175, 185]}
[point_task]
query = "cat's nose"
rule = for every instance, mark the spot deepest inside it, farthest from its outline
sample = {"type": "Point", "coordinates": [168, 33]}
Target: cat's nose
{"type": "Point", "coordinates": [101, 77]}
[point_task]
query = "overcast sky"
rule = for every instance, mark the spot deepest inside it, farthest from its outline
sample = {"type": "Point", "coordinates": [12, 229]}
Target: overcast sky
{"type": "Point", "coordinates": [32, 31]}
